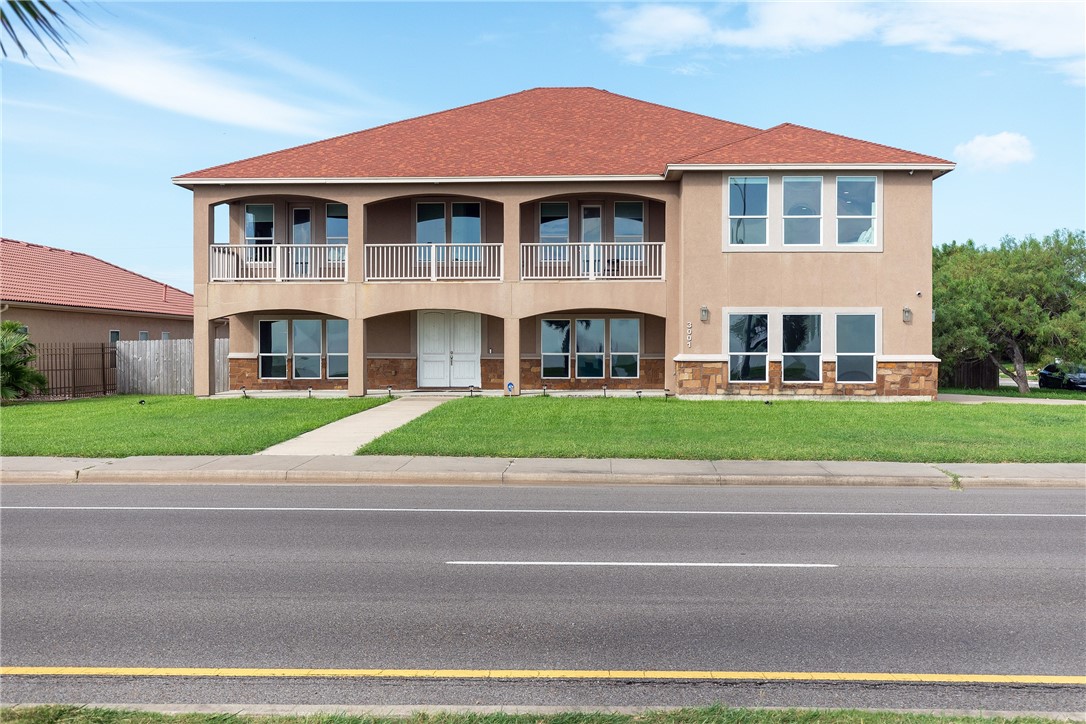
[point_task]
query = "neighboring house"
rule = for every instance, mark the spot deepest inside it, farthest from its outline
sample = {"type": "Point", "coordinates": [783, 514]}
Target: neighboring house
{"type": "Point", "coordinates": [66, 296]}
{"type": "Point", "coordinates": [572, 238]}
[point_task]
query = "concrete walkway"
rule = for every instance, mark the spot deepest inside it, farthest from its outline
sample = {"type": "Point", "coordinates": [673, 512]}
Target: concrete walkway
{"type": "Point", "coordinates": [343, 437]}
{"type": "Point", "coordinates": [410, 470]}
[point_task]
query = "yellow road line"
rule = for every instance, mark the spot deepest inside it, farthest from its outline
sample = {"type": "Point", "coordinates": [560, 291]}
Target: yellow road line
{"type": "Point", "coordinates": [542, 674]}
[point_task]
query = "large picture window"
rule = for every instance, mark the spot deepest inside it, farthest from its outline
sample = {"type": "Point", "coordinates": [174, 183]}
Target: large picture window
{"type": "Point", "coordinates": [856, 210]}
{"type": "Point", "coordinates": [554, 343]}
{"type": "Point", "coordinates": [625, 347]}
{"type": "Point", "coordinates": [802, 345]}
{"type": "Point", "coordinates": [303, 342]}
{"type": "Point", "coordinates": [855, 347]}
{"type": "Point", "coordinates": [590, 348]}
{"type": "Point", "coordinates": [748, 205]}
{"type": "Point", "coordinates": [748, 347]}
{"type": "Point", "coordinates": [803, 210]}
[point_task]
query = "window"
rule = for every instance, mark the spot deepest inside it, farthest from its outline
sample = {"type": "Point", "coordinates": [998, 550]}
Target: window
{"type": "Point", "coordinates": [554, 344]}
{"type": "Point", "coordinates": [337, 348]}
{"type": "Point", "coordinates": [629, 230]}
{"type": "Point", "coordinates": [23, 329]}
{"type": "Point", "coordinates": [748, 347]}
{"type": "Point", "coordinates": [307, 349]}
{"type": "Point", "coordinates": [259, 224]}
{"type": "Point", "coordinates": [553, 230]}
{"type": "Point", "coordinates": [802, 338]}
{"type": "Point", "coordinates": [273, 349]}
{"type": "Point", "coordinates": [625, 347]}
{"type": "Point", "coordinates": [144, 335]}
{"type": "Point", "coordinates": [114, 336]}
{"type": "Point", "coordinates": [165, 335]}
{"type": "Point", "coordinates": [803, 210]}
{"type": "Point", "coordinates": [590, 348]}
{"type": "Point", "coordinates": [748, 205]}
{"type": "Point", "coordinates": [467, 228]}
{"type": "Point", "coordinates": [301, 225]}
{"type": "Point", "coordinates": [335, 224]}
{"type": "Point", "coordinates": [855, 347]}
{"type": "Point", "coordinates": [856, 210]}
{"type": "Point", "coordinates": [429, 227]}
{"type": "Point", "coordinates": [462, 226]}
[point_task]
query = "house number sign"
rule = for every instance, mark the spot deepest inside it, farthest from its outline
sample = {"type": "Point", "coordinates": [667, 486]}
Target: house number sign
{"type": "Point", "coordinates": [689, 334]}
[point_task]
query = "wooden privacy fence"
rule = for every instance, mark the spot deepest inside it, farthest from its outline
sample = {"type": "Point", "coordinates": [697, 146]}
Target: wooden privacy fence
{"type": "Point", "coordinates": [164, 367]}
{"type": "Point", "coordinates": [86, 369]}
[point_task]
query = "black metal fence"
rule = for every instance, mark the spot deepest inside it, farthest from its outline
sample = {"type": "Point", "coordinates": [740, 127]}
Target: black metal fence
{"type": "Point", "coordinates": [77, 369]}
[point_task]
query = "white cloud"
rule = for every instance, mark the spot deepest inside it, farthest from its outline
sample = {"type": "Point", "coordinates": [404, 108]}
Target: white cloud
{"type": "Point", "coordinates": [152, 72]}
{"type": "Point", "coordinates": [1046, 30]}
{"type": "Point", "coordinates": [995, 152]}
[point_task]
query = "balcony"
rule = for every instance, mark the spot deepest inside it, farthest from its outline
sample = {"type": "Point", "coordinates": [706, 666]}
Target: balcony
{"type": "Point", "coordinates": [608, 260]}
{"type": "Point", "coordinates": [433, 262]}
{"type": "Point", "coordinates": [278, 263]}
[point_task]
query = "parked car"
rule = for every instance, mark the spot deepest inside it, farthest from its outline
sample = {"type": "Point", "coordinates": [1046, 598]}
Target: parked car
{"type": "Point", "coordinates": [1060, 375]}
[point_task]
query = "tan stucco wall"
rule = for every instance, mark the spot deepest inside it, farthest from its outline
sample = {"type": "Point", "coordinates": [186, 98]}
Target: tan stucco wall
{"type": "Point", "coordinates": [55, 325]}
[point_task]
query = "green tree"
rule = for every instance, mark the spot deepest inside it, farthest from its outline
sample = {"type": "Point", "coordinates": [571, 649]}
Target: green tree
{"type": "Point", "coordinates": [1023, 300]}
{"type": "Point", "coordinates": [17, 375]}
{"type": "Point", "coordinates": [41, 19]}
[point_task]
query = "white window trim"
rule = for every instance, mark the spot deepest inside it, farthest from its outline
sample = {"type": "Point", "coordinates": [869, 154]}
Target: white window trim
{"type": "Point", "coordinates": [261, 355]}
{"type": "Point", "coordinates": [775, 346]}
{"type": "Point", "coordinates": [728, 337]}
{"type": "Point", "coordinates": [727, 204]}
{"type": "Point", "coordinates": [876, 231]}
{"type": "Point", "coordinates": [611, 353]}
{"type": "Point", "coordinates": [112, 332]}
{"type": "Point", "coordinates": [821, 216]}
{"type": "Point", "coordinates": [568, 355]}
{"type": "Point", "coordinates": [143, 335]}
{"type": "Point", "coordinates": [775, 222]}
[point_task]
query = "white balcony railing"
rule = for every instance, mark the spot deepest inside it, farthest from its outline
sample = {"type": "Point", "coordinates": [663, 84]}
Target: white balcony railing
{"type": "Point", "coordinates": [278, 262]}
{"type": "Point", "coordinates": [596, 260]}
{"type": "Point", "coordinates": [433, 262]}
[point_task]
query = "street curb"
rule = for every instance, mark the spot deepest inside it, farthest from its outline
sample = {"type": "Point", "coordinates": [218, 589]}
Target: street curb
{"type": "Point", "coordinates": [106, 476]}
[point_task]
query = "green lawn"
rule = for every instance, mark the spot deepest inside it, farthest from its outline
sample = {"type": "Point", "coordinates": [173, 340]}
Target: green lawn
{"type": "Point", "coordinates": [742, 430]}
{"type": "Point", "coordinates": [165, 425]}
{"type": "Point", "coordinates": [704, 715]}
{"type": "Point", "coordinates": [1037, 394]}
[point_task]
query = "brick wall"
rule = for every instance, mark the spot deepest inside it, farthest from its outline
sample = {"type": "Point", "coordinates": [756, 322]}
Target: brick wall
{"type": "Point", "coordinates": [915, 379]}
{"type": "Point", "coordinates": [245, 372]}
{"type": "Point", "coordinates": [652, 378]}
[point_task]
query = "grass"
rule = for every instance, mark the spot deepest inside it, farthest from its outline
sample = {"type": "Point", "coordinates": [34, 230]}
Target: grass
{"type": "Point", "coordinates": [742, 430]}
{"type": "Point", "coordinates": [1045, 394]}
{"type": "Point", "coordinates": [702, 715]}
{"type": "Point", "coordinates": [165, 425]}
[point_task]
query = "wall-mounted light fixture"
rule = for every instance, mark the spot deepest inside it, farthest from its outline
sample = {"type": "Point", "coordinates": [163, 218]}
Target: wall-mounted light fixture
{"type": "Point", "coordinates": [907, 315]}
{"type": "Point", "coordinates": [704, 314]}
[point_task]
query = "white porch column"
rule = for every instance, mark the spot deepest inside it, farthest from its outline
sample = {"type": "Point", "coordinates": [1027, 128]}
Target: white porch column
{"type": "Point", "coordinates": [356, 355]}
{"type": "Point", "coordinates": [512, 354]}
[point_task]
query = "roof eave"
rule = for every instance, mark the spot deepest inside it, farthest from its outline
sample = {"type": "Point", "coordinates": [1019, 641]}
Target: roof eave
{"type": "Point", "coordinates": [937, 169]}
{"type": "Point", "coordinates": [187, 182]}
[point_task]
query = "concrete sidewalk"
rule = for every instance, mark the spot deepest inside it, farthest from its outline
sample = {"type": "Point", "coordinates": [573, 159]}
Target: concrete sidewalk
{"type": "Point", "coordinates": [343, 469]}
{"type": "Point", "coordinates": [343, 437]}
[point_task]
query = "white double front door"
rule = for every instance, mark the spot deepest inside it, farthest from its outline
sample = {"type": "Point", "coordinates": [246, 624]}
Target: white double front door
{"type": "Point", "coordinates": [449, 349]}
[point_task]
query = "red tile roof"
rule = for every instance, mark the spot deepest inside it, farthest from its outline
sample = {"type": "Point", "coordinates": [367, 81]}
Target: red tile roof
{"type": "Point", "coordinates": [551, 132]}
{"type": "Point", "coordinates": [46, 275]}
{"type": "Point", "coordinates": [789, 143]}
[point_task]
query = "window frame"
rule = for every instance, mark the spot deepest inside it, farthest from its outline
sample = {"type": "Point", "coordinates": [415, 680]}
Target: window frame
{"type": "Point", "coordinates": [559, 249]}
{"type": "Point", "coordinates": [543, 353]}
{"type": "Point", "coordinates": [785, 354]}
{"type": "Point", "coordinates": [253, 240]}
{"type": "Point", "coordinates": [602, 354]}
{"type": "Point", "coordinates": [742, 217]}
{"type": "Point", "coordinates": [873, 354]}
{"type": "Point", "coordinates": [874, 217]}
{"type": "Point", "coordinates": [609, 364]}
{"type": "Point", "coordinates": [114, 337]}
{"type": "Point", "coordinates": [732, 354]}
{"type": "Point", "coordinates": [294, 354]}
{"type": "Point", "coordinates": [329, 354]}
{"type": "Point", "coordinates": [143, 335]}
{"type": "Point", "coordinates": [786, 217]}
{"type": "Point", "coordinates": [286, 354]}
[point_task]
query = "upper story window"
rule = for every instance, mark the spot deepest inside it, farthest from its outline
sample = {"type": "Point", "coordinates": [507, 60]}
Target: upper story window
{"type": "Point", "coordinates": [259, 224]}
{"type": "Point", "coordinates": [780, 212]}
{"type": "Point", "coordinates": [856, 210]}
{"type": "Point", "coordinates": [748, 206]}
{"type": "Point", "coordinates": [802, 210]}
{"type": "Point", "coordinates": [335, 224]}
{"type": "Point", "coordinates": [553, 229]}
{"type": "Point", "coordinates": [459, 222]}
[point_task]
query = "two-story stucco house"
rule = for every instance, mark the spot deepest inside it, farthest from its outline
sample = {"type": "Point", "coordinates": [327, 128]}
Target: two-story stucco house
{"type": "Point", "coordinates": [572, 238]}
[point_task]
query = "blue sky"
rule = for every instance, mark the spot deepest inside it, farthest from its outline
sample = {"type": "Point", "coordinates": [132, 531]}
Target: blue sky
{"type": "Point", "coordinates": [154, 90]}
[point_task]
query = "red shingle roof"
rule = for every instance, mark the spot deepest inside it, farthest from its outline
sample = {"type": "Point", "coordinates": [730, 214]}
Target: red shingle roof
{"type": "Point", "coordinates": [46, 275]}
{"type": "Point", "coordinates": [553, 132]}
{"type": "Point", "coordinates": [789, 143]}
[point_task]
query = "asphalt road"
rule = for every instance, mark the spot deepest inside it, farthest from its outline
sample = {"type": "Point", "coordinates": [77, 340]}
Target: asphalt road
{"type": "Point", "coordinates": [784, 580]}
